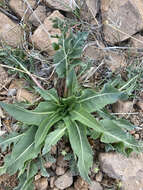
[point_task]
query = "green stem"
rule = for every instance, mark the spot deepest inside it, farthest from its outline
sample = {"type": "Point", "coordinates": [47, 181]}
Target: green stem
{"type": "Point", "coordinates": [66, 77]}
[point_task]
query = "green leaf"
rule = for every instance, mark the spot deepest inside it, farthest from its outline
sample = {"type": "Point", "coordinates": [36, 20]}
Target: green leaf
{"type": "Point", "coordinates": [49, 95]}
{"type": "Point", "coordinates": [72, 83]}
{"type": "Point", "coordinates": [86, 118]}
{"type": "Point", "coordinates": [95, 135]}
{"type": "Point", "coordinates": [124, 124]}
{"type": "Point", "coordinates": [53, 138]}
{"type": "Point", "coordinates": [2, 170]}
{"type": "Point", "coordinates": [111, 133]}
{"type": "Point", "coordinates": [25, 183]}
{"type": "Point", "coordinates": [23, 151]}
{"type": "Point", "coordinates": [44, 128]}
{"type": "Point", "coordinates": [60, 63]}
{"type": "Point", "coordinates": [11, 138]}
{"type": "Point", "coordinates": [80, 146]}
{"type": "Point", "coordinates": [23, 115]}
{"type": "Point", "coordinates": [43, 170]}
{"type": "Point", "coordinates": [46, 108]}
{"type": "Point", "coordinates": [91, 101]}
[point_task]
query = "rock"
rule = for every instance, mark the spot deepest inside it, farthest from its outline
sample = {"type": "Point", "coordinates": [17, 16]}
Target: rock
{"type": "Point", "coordinates": [94, 53]}
{"type": "Point", "coordinates": [17, 83]}
{"type": "Point", "coordinates": [42, 35]}
{"type": "Point", "coordinates": [80, 184]}
{"type": "Point", "coordinates": [95, 186]}
{"type": "Point", "coordinates": [24, 95]}
{"type": "Point", "coordinates": [48, 164]}
{"type": "Point", "coordinates": [53, 150]}
{"type": "Point", "coordinates": [122, 15]}
{"type": "Point", "coordinates": [21, 8]}
{"type": "Point", "coordinates": [140, 105]}
{"type": "Point", "coordinates": [10, 32]}
{"type": "Point", "coordinates": [136, 43]}
{"type": "Point", "coordinates": [128, 170]}
{"type": "Point", "coordinates": [38, 176]}
{"type": "Point", "coordinates": [11, 92]}
{"type": "Point", "coordinates": [123, 107]}
{"type": "Point", "coordinates": [41, 184]}
{"type": "Point", "coordinates": [61, 162]}
{"type": "Point", "coordinates": [3, 78]}
{"type": "Point", "coordinates": [93, 6]}
{"type": "Point", "coordinates": [99, 177]}
{"type": "Point", "coordinates": [60, 171]}
{"type": "Point", "coordinates": [52, 179]}
{"type": "Point", "coordinates": [70, 188]}
{"type": "Point", "coordinates": [64, 5]}
{"type": "Point", "coordinates": [137, 136]}
{"type": "Point", "coordinates": [40, 11]}
{"type": "Point", "coordinates": [64, 181]}
{"type": "Point", "coordinates": [115, 61]}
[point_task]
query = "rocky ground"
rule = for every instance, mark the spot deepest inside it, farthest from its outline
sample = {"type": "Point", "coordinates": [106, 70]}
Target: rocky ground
{"type": "Point", "coordinates": [115, 48]}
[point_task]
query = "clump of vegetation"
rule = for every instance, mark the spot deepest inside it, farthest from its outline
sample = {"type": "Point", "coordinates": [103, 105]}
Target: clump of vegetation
{"type": "Point", "coordinates": [71, 114]}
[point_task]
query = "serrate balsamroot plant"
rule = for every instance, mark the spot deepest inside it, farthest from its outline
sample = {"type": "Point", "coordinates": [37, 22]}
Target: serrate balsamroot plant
{"type": "Point", "coordinates": [70, 114]}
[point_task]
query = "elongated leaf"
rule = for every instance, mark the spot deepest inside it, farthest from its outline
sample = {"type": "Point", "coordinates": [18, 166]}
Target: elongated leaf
{"type": "Point", "coordinates": [111, 133]}
{"type": "Point", "coordinates": [12, 138]}
{"type": "Point", "coordinates": [60, 62]}
{"type": "Point", "coordinates": [72, 82]}
{"type": "Point", "coordinates": [27, 183]}
{"type": "Point", "coordinates": [86, 118]}
{"type": "Point", "coordinates": [44, 128]}
{"type": "Point", "coordinates": [80, 146]}
{"type": "Point", "coordinates": [124, 124]}
{"type": "Point", "coordinates": [49, 95]}
{"type": "Point", "coordinates": [43, 170]}
{"type": "Point", "coordinates": [21, 114]}
{"type": "Point", "coordinates": [53, 138]}
{"type": "Point", "coordinates": [23, 151]}
{"type": "Point", "coordinates": [45, 108]}
{"type": "Point", "coordinates": [91, 101]}
{"type": "Point", "coordinates": [114, 134]}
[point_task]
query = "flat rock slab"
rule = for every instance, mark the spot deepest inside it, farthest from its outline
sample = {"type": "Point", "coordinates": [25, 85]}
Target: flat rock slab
{"type": "Point", "coordinates": [93, 6]}
{"type": "Point", "coordinates": [21, 8]}
{"type": "Point", "coordinates": [38, 16]}
{"type": "Point", "coordinates": [64, 5]}
{"type": "Point", "coordinates": [128, 170]}
{"type": "Point", "coordinates": [125, 16]}
{"type": "Point", "coordinates": [10, 32]}
{"type": "Point", "coordinates": [42, 36]}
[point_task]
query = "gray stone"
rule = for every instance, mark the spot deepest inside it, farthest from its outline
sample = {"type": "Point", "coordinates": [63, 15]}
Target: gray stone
{"type": "Point", "coordinates": [60, 171]}
{"type": "Point", "coordinates": [93, 6]}
{"type": "Point", "coordinates": [41, 37]}
{"type": "Point", "coordinates": [21, 8]}
{"type": "Point", "coordinates": [39, 12]}
{"type": "Point", "coordinates": [128, 170]}
{"type": "Point", "coordinates": [64, 181]}
{"type": "Point", "coordinates": [64, 5]}
{"type": "Point", "coordinates": [125, 17]}
{"type": "Point", "coordinates": [10, 32]}
{"type": "Point", "coordinates": [95, 186]}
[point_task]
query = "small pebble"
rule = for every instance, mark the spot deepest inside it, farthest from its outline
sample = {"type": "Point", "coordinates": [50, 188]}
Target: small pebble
{"type": "Point", "coordinates": [99, 177]}
{"type": "Point", "coordinates": [137, 136]}
{"type": "Point", "coordinates": [11, 92]}
{"type": "Point", "coordinates": [60, 171]}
